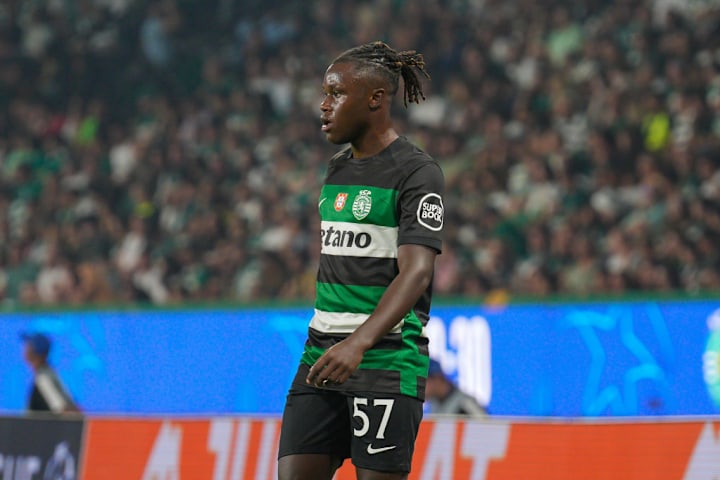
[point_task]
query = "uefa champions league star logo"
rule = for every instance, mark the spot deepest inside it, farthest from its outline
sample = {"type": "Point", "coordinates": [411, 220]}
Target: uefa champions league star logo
{"type": "Point", "coordinates": [618, 392]}
{"type": "Point", "coordinates": [711, 358]}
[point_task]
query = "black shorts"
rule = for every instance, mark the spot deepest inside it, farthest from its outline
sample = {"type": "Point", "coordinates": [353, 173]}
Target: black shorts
{"type": "Point", "coordinates": [377, 431]}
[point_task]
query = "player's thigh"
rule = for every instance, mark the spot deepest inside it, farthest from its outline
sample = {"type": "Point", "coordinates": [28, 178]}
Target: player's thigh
{"type": "Point", "coordinates": [309, 466]}
{"type": "Point", "coordinates": [384, 429]}
{"type": "Point", "coordinates": [363, 474]}
{"type": "Point", "coordinates": [315, 422]}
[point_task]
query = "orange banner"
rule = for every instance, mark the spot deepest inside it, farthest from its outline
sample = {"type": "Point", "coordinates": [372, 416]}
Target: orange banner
{"type": "Point", "coordinates": [446, 449]}
{"type": "Point", "coordinates": [218, 449]}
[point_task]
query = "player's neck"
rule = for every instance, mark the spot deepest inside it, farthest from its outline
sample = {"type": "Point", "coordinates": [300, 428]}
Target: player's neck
{"type": "Point", "coordinates": [374, 143]}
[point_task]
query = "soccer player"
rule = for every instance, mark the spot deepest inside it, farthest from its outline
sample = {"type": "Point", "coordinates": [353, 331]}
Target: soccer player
{"type": "Point", "coordinates": [359, 389]}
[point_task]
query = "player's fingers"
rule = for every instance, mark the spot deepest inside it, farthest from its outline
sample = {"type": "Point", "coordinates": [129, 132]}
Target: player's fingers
{"type": "Point", "coordinates": [327, 376]}
{"type": "Point", "coordinates": [315, 369]}
{"type": "Point", "coordinates": [341, 374]}
{"type": "Point", "coordinates": [318, 369]}
{"type": "Point", "coordinates": [342, 378]}
{"type": "Point", "coordinates": [321, 363]}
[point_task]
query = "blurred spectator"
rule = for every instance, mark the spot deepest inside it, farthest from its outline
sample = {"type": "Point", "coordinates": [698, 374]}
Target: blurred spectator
{"type": "Point", "coordinates": [445, 398]}
{"type": "Point", "coordinates": [54, 281]}
{"type": "Point", "coordinates": [48, 394]}
{"type": "Point", "coordinates": [173, 146]}
{"type": "Point", "coordinates": [156, 31]}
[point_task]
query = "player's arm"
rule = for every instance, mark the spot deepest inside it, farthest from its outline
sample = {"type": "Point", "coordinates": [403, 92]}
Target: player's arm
{"type": "Point", "coordinates": [415, 265]}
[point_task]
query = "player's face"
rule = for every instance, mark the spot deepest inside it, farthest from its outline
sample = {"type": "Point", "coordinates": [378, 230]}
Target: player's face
{"type": "Point", "coordinates": [345, 108]}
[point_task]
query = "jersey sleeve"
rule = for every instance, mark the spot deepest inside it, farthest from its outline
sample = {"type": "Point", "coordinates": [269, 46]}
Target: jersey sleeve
{"type": "Point", "coordinates": [421, 209]}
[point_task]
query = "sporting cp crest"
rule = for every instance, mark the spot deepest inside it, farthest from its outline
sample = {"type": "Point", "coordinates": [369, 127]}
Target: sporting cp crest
{"type": "Point", "coordinates": [340, 201]}
{"type": "Point", "coordinates": [362, 204]}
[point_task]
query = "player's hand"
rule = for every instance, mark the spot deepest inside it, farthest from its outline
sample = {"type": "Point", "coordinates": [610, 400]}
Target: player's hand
{"type": "Point", "coordinates": [337, 364]}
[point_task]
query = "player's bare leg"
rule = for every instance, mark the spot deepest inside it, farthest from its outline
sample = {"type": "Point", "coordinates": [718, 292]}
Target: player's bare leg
{"type": "Point", "coordinates": [363, 474]}
{"type": "Point", "coordinates": [308, 467]}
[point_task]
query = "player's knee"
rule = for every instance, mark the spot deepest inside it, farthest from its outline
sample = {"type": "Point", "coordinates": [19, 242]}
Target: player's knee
{"type": "Point", "coordinates": [364, 474]}
{"type": "Point", "coordinates": [307, 467]}
{"type": "Point", "coordinates": [287, 472]}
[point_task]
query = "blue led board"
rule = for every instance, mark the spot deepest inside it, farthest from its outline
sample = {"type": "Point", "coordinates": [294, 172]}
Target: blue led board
{"type": "Point", "coordinates": [561, 360]}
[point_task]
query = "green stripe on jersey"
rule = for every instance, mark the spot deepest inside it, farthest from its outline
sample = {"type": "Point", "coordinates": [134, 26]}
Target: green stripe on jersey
{"type": "Point", "coordinates": [334, 297]}
{"type": "Point", "coordinates": [409, 362]}
{"type": "Point", "coordinates": [358, 204]}
{"type": "Point", "coordinates": [406, 362]}
{"type": "Point", "coordinates": [412, 329]}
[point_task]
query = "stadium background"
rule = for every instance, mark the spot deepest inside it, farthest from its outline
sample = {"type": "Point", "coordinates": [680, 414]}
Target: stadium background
{"type": "Point", "coordinates": [157, 168]}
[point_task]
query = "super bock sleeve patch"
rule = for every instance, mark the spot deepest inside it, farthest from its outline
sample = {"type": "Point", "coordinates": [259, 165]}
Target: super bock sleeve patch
{"type": "Point", "coordinates": [430, 212]}
{"type": "Point", "coordinates": [421, 208]}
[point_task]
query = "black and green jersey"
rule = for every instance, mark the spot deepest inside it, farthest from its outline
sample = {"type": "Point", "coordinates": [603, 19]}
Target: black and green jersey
{"type": "Point", "coordinates": [368, 207]}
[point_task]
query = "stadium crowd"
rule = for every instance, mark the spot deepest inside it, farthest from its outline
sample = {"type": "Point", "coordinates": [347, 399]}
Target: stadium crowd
{"type": "Point", "coordinates": [170, 150]}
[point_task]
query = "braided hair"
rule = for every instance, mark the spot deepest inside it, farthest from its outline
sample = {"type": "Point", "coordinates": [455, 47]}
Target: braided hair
{"type": "Point", "coordinates": [391, 65]}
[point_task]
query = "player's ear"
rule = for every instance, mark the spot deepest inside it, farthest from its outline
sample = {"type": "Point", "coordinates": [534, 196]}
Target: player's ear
{"type": "Point", "coordinates": [377, 96]}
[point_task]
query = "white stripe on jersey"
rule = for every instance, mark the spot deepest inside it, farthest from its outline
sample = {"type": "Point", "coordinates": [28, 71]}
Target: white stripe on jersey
{"type": "Point", "coordinates": [54, 396]}
{"type": "Point", "coordinates": [331, 322]}
{"type": "Point", "coordinates": [358, 240]}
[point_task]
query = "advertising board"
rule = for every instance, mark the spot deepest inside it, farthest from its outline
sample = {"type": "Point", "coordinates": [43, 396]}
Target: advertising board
{"type": "Point", "coordinates": [40, 448]}
{"type": "Point", "coordinates": [583, 359]}
{"type": "Point", "coordinates": [227, 448]}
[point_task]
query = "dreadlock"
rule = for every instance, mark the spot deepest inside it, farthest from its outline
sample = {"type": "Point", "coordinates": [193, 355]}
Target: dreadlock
{"type": "Point", "coordinates": [391, 65]}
